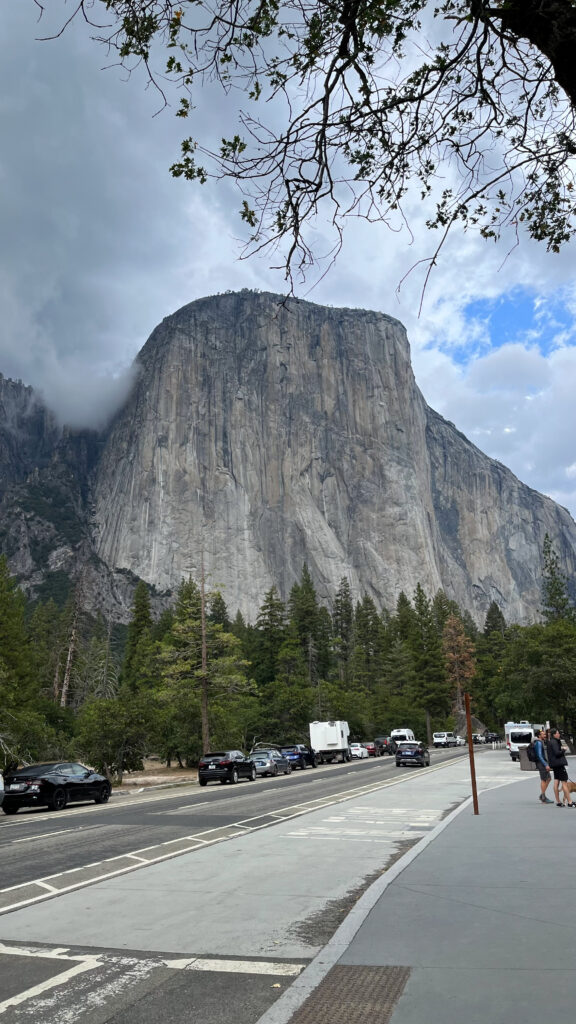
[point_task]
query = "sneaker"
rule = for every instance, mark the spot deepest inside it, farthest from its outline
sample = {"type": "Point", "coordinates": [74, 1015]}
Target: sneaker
{"type": "Point", "coordinates": [545, 800]}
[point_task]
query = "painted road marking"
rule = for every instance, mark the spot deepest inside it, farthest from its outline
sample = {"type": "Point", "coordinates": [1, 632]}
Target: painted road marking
{"type": "Point", "coordinates": [131, 971]}
{"type": "Point", "coordinates": [37, 890]}
{"type": "Point", "coordinates": [87, 963]}
{"type": "Point", "coordinates": [236, 966]}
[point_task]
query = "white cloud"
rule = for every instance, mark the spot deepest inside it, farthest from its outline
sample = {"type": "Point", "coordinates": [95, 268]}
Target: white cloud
{"type": "Point", "coordinates": [99, 243]}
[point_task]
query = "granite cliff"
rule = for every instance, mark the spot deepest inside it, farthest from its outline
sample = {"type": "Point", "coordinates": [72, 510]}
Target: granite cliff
{"type": "Point", "coordinates": [263, 433]}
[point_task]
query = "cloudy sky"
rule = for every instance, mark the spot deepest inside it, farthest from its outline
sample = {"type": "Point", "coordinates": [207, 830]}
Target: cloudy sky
{"type": "Point", "coordinates": [98, 243]}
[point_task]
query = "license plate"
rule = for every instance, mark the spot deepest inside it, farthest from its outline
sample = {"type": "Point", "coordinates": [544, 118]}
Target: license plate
{"type": "Point", "coordinates": [211, 766]}
{"type": "Point", "coordinates": [16, 787]}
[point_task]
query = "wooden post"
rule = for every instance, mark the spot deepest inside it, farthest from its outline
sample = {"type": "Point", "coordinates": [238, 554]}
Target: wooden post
{"type": "Point", "coordinates": [471, 753]}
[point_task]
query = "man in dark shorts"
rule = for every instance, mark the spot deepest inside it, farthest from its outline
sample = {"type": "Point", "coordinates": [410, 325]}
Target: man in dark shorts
{"type": "Point", "coordinates": [542, 765]}
{"type": "Point", "coordinates": [557, 761]}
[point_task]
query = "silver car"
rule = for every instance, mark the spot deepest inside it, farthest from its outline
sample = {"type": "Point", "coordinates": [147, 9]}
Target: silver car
{"type": "Point", "coordinates": [270, 762]}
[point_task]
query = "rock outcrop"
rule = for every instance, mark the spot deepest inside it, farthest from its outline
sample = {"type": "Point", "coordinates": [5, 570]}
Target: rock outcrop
{"type": "Point", "coordinates": [264, 433]}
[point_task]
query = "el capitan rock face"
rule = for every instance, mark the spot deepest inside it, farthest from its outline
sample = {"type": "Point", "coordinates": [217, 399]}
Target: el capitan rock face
{"type": "Point", "coordinates": [262, 434]}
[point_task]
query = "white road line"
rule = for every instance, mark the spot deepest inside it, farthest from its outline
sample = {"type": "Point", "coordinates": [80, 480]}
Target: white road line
{"type": "Point", "coordinates": [59, 953]}
{"type": "Point", "coordinates": [47, 835]}
{"type": "Point", "coordinates": [236, 966]}
{"type": "Point", "coordinates": [201, 840]}
{"type": "Point", "coordinates": [87, 964]}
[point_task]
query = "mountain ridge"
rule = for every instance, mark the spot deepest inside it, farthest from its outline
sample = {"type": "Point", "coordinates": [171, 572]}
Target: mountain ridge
{"type": "Point", "coordinates": [263, 432]}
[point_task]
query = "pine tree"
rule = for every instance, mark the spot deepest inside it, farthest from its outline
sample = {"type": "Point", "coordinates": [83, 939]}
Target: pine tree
{"type": "Point", "coordinates": [556, 602]}
{"type": "Point", "coordinates": [218, 611]}
{"type": "Point", "coordinates": [14, 647]}
{"type": "Point", "coordinates": [138, 667]}
{"type": "Point", "coordinates": [432, 686]}
{"type": "Point", "coordinates": [343, 628]}
{"type": "Point", "coordinates": [494, 621]}
{"type": "Point", "coordinates": [303, 611]}
{"type": "Point", "coordinates": [460, 661]}
{"type": "Point", "coordinates": [367, 660]}
{"type": "Point", "coordinates": [270, 635]}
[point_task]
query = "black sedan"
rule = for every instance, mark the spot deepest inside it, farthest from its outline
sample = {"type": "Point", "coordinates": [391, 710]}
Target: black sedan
{"type": "Point", "coordinates": [52, 785]}
{"type": "Point", "coordinates": [412, 752]}
{"type": "Point", "coordinates": [225, 766]}
{"type": "Point", "coordinates": [299, 755]}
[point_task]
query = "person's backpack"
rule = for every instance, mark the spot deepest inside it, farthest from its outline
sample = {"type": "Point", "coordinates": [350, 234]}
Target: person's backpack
{"type": "Point", "coordinates": [531, 753]}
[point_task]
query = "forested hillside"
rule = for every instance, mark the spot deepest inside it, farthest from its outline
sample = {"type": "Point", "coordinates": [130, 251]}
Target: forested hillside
{"type": "Point", "coordinates": [77, 687]}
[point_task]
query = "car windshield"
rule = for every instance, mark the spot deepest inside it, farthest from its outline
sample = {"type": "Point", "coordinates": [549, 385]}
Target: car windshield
{"type": "Point", "coordinates": [36, 769]}
{"type": "Point", "coordinates": [409, 746]}
{"type": "Point", "coordinates": [264, 754]}
{"type": "Point", "coordinates": [215, 753]}
{"type": "Point", "coordinates": [520, 737]}
{"type": "Point", "coordinates": [289, 750]}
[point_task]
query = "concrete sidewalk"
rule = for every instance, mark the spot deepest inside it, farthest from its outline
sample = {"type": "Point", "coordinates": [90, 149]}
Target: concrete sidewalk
{"type": "Point", "coordinates": [476, 923]}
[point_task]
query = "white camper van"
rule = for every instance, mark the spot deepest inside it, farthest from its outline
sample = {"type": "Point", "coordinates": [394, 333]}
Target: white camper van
{"type": "Point", "coordinates": [400, 735]}
{"type": "Point", "coordinates": [330, 741]}
{"type": "Point", "coordinates": [516, 736]}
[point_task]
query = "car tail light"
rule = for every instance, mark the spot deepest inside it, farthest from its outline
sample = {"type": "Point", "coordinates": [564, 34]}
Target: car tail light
{"type": "Point", "coordinates": [224, 762]}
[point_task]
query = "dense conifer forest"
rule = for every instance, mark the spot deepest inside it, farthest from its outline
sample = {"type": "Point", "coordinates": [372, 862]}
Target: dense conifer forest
{"type": "Point", "coordinates": [77, 687]}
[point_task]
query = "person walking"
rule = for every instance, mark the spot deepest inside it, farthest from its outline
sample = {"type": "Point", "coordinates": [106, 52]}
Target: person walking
{"type": "Point", "coordinates": [557, 761]}
{"type": "Point", "coordinates": [542, 765]}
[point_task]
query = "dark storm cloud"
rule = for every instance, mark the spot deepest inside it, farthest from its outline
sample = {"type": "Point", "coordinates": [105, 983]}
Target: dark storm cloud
{"type": "Point", "coordinates": [98, 242]}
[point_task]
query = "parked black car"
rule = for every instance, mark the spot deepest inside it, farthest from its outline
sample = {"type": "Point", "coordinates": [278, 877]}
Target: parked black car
{"type": "Point", "coordinates": [412, 752]}
{"type": "Point", "coordinates": [225, 766]}
{"type": "Point", "coordinates": [299, 755]}
{"type": "Point", "coordinates": [52, 785]}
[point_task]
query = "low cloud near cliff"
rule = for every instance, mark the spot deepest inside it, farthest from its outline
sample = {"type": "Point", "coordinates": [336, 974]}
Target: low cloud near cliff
{"type": "Point", "coordinates": [99, 243]}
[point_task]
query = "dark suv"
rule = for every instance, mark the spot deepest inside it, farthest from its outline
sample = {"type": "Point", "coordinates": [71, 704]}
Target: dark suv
{"type": "Point", "coordinates": [299, 755]}
{"type": "Point", "coordinates": [412, 752]}
{"type": "Point", "coordinates": [385, 745]}
{"type": "Point", "coordinates": [225, 766]}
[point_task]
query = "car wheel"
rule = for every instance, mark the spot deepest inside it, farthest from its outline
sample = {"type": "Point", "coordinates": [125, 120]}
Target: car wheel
{"type": "Point", "coordinates": [428, 763]}
{"type": "Point", "coordinates": [10, 808]}
{"type": "Point", "coordinates": [314, 763]}
{"type": "Point", "coordinates": [103, 795]}
{"type": "Point", "coordinates": [275, 772]}
{"type": "Point", "coordinates": [58, 800]}
{"type": "Point", "coordinates": [234, 776]}
{"type": "Point", "coordinates": [253, 774]}
{"type": "Point", "coordinates": [303, 764]}
{"type": "Point", "coordinates": [288, 769]}
{"type": "Point", "coordinates": [223, 782]}
{"type": "Point", "coordinates": [203, 782]}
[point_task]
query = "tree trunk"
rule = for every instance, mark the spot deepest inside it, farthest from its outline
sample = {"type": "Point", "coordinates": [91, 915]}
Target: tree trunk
{"type": "Point", "coordinates": [68, 669]}
{"type": "Point", "coordinates": [204, 678]}
{"type": "Point", "coordinates": [550, 26]}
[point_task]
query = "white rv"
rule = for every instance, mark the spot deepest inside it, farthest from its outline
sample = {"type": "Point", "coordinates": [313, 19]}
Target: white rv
{"type": "Point", "coordinates": [330, 740]}
{"type": "Point", "coordinates": [516, 736]}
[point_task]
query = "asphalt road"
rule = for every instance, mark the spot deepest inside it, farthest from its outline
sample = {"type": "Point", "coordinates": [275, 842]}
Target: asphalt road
{"type": "Point", "coordinates": [216, 935]}
{"type": "Point", "coordinates": [38, 844]}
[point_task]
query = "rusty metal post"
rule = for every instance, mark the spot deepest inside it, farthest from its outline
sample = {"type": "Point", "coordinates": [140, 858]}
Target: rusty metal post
{"type": "Point", "coordinates": [471, 753]}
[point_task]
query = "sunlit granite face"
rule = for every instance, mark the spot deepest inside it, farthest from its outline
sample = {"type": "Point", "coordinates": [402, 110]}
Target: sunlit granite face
{"type": "Point", "coordinates": [263, 434]}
